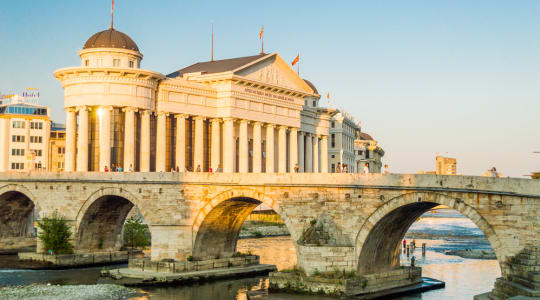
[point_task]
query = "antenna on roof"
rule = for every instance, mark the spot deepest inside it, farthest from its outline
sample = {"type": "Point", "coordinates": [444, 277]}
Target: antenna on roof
{"type": "Point", "coordinates": [212, 51]}
{"type": "Point", "coordinates": [112, 14]}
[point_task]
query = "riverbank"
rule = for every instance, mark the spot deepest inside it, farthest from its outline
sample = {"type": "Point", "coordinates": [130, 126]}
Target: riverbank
{"type": "Point", "coordinates": [61, 292]}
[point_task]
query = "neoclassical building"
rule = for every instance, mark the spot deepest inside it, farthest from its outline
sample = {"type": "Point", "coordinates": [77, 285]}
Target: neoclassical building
{"type": "Point", "coordinates": [246, 114]}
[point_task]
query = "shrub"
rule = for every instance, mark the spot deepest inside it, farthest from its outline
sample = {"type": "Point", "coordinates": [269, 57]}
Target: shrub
{"type": "Point", "coordinates": [136, 233]}
{"type": "Point", "coordinates": [55, 233]}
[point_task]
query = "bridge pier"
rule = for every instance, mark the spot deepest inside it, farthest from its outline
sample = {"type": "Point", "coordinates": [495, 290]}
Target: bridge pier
{"type": "Point", "coordinates": [522, 276]}
{"type": "Point", "coordinates": [171, 242]}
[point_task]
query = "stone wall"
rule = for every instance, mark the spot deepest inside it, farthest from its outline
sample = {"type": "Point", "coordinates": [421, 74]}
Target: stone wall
{"type": "Point", "coordinates": [187, 266]}
{"type": "Point", "coordinates": [76, 259]}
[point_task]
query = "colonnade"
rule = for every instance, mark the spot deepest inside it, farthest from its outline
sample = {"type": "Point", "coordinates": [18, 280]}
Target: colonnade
{"type": "Point", "coordinates": [307, 150]}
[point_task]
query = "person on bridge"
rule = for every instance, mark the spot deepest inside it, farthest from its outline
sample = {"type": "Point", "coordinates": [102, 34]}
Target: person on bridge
{"type": "Point", "coordinates": [198, 168]}
{"type": "Point", "coordinates": [130, 168]}
{"type": "Point", "coordinates": [366, 169]}
{"type": "Point", "coordinates": [404, 243]}
{"type": "Point", "coordinates": [219, 169]}
{"type": "Point", "coordinates": [338, 169]}
{"type": "Point", "coordinates": [386, 172]}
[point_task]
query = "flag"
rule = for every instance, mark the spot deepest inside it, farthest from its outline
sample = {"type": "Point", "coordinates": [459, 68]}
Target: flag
{"type": "Point", "coordinates": [296, 59]}
{"type": "Point", "coordinates": [261, 33]}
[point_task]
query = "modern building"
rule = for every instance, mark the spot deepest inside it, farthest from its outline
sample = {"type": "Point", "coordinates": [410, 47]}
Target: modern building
{"type": "Point", "coordinates": [342, 135]}
{"type": "Point", "coordinates": [57, 148]}
{"type": "Point", "coordinates": [246, 114]}
{"type": "Point", "coordinates": [24, 132]}
{"type": "Point", "coordinates": [367, 150]}
{"type": "Point", "coordinates": [445, 165]}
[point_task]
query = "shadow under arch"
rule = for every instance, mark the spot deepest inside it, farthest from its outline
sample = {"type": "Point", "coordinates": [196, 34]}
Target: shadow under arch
{"type": "Point", "coordinates": [101, 218]}
{"type": "Point", "coordinates": [17, 204]}
{"type": "Point", "coordinates": [378, 243]}
{"type": "Point", "coordinates": [218, 224]}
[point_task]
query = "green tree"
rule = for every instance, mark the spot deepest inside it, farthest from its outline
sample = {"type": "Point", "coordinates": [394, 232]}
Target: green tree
{"type": "Point", "coordinates": [136, 233]}
{"type": "Point", "coordinates": [55, 233]}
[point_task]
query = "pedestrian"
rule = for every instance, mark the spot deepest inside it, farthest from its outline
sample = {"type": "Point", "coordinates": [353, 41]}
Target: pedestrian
{"type": "Point", "coordinates": [130, 168]}
{"type": "Point", "coordinates": [210, 169]}
{"type": "Point", "coordinates": [366, 168]}
{"type": "Point", "coordinates": [345, 168]}
{"type": "Point", "coordinates": [386, 172]}
{"type": "Point", "coordinates": [493, 172]}
{"type": "Point", "coordinates": [113, 168]}
{"type": "Point", "coordinates": [404, 243]}
{"type": "Point", "coordinates": [106, 169]}
{"type": "Point", "coordinates": [120, 169]}
{"type": "Point", "coordinates": [219, 169]}
{"type": "Point", "coordinates": [198, 168]}
{"type": "Point", "coordinates": [296, 168]}
{"type": "Point", "coordinates": [177, 169]}
{"type": "Point", "coordinates": [338, 169]}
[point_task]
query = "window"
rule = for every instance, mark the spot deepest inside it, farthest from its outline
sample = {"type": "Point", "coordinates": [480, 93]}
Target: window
{"type": "Point", "coordinates": [131, 64]}
{"type": "Point", "coordinates": [17, 138]}
{"type": "Point", "coordinates": [314, 103]}
{"type": "Point", "coordinates": [17, 152]}
{"type": "Point", "coordinates": [61, 150]}
{"type": "Point", "coordinates": [333, 156]}
{"type": "Point", "coordinates": [333, 168]}
{"type": "Point", "coordinates": [99, 62]}
{"type": "Point", "coordinates": [333, 140]}
{"type": "Point", "coordinates": [87, 62]}
{"type": "Point", "coordinates": [333, 124]}
{"type": "Point", "coordinates": [18, 124]}
{"type": "Point", "coordinates": [367, 153]}
{"type": "Point", "coordinates": [305, 102]}
{"type": "Point", "coordinates": [116, 62]}
{"type": "Point", "coordinates": [60, 165]}
{"type": "Point", "coordinates": [36, 125]}
{"type": "Point", "coordinates": [36, 139]}
{"type": "Point", "coordinates": [37, 165]}
{"type": "Point", "coordinates": [17, 166]}
{"type": "Point", "coordinates": [61, 135]}
{"type": "Point", "coordinates": [360, 152]}
{"type": "Point", "coordinates": [37, 152]}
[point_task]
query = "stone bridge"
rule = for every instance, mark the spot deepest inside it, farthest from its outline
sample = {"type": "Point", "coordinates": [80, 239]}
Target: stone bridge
{"type": "Point", "coordinates": [345, 221]}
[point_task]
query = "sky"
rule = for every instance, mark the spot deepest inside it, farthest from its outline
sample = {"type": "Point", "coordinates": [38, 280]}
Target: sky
{"type": "Point", "coordinates": [456, 78]}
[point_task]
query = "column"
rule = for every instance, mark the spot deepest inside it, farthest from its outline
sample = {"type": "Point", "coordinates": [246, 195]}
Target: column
{"type": "Point", "coordinates": [228, 145]}
{"type": "Point", "coordinates": [269, 148]}
{"type": "Point", "coordinates": [180, 157]}
{"type": "Point", "coordinates": [309, 153]}
{"type": "Point", "coordinates": [282, 146]}
{"type": "Point", "coordinates": [82, 140]}
{"type": "Point", "coordinates": [71, 125]}
{"type": "Point", "coordinates": [293, 145]}
{"type": "Point", "coordinates": [301, 139]}
{"type": "Point", "coordinates": [129, 138]}
{"type": "Point", "coordinates": [161, 141]}
{"type": "Point", "coordinates": [243, 155]}
{"type": "Point", "coordinates": [216, 144]}
{"type": "Point", "coordinates": [257, 145]}
{"type": "Point", "coordinates": [144, 155]}
{"type": "Point", "coordinates": [316, 153]}
{"type": "Point", "coordinates": [324, 154]}
{"type": "Point", "coordinates": [4, 143]}
{"type": "Point", "coordinates": [105, 137]}
{"type": "Point", "coordinates": [198, 147]}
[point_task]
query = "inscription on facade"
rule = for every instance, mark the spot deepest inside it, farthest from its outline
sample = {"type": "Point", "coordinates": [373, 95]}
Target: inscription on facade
{"type": "Point", "coordinates": [267, 94]}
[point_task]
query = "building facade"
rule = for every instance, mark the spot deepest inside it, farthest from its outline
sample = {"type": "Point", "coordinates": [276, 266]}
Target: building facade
{"type": "Point", "coordinates": [246, 114]}
{"type": "Point", "coordinates": [24, 133]}
{"type": "Point", "coordinates": [57, 148]}
{"type": "Point", "coordinates": [445, 165]}
{"type": "Point", "coordinates": [367, 150]}
{"type": "Point", "coordinates": [342, 134]}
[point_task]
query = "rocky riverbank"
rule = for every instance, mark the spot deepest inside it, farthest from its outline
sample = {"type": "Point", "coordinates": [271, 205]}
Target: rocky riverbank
{"type": "Point", "coordinates": [259, 229]}
{"type": "Point", "coordinates": [61, 292]}
{"type": "Point", "coordinates": [474, 254]}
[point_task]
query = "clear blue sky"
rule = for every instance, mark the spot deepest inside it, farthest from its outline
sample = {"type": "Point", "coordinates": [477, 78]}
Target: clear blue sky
{"type": "Point", "coordinates": [425, 77]}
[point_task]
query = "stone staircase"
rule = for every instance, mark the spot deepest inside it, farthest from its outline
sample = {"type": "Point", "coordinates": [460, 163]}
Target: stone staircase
{"type": "Point", "coordinates": [523, 276]}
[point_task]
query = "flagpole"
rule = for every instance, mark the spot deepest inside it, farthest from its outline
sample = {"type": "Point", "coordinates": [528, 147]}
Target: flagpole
{"type": "Point", "coordinates": [112, 14]}
{"type": "Point", "coordinates": [212, 51]}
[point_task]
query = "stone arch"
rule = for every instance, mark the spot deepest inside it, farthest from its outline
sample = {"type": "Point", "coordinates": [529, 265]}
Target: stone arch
{"type": "Point", "coordinates": [218, 222]}
{"type": "Point", "coordinates": [378, 240]}
{"type": "Point", "coordinates": [16, 206]}
{"type": "Point", "coordinates": [99, 221]}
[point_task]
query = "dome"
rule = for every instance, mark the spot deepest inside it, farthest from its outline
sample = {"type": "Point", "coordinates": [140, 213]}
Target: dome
{"type": "Point", "coordinates": [111, 38]}
{"type": "Point", "coordinates": [311, 85]}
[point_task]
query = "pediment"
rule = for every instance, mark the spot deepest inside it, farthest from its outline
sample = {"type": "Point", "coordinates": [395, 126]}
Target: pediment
{"type": "Point", "coordinates": [272, 69]}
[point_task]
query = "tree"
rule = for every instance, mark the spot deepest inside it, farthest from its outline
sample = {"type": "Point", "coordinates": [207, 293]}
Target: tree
{"type": "Point", "coordinates": [136, 233]}
{"type": "Point", "coordinates": [55, 234]}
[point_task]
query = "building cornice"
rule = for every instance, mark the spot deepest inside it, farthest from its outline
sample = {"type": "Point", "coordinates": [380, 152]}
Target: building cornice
{"type": "Point", "coordinates": [109, 72]}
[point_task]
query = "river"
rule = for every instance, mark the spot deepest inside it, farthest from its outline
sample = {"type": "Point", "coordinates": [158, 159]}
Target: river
{"type": "Point", "coordinates": [450, 231]}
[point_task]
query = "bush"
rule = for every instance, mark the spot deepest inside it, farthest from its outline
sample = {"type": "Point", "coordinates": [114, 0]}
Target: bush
{"type": "Point", "coordinates": [136, 234]}
{"type": "Point", "coordinates": [55, 233]}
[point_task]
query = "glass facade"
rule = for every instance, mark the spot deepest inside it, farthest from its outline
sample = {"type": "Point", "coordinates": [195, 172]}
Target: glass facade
{"type": "Point", "coordinates": [23, 109]}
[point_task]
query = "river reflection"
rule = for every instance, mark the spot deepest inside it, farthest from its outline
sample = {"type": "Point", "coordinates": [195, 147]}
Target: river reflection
{"type": "Point", "coordinates": [464, 277]}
